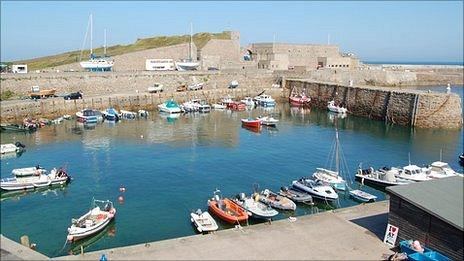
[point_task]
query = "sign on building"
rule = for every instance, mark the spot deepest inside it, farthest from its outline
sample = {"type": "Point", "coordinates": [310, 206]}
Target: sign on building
{"type": "Point", "coordinates": [390, 235]}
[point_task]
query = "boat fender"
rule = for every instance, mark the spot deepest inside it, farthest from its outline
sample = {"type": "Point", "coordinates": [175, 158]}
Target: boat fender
{"type": "Point", "coordinates": [256, 197]}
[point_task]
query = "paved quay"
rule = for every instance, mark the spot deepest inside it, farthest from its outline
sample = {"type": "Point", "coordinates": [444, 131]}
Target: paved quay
{"type": "Point", "coordinates": [351, 234]}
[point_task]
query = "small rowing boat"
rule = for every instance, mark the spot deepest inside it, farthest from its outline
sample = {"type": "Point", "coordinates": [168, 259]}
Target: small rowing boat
{"type": "Point", "coordinates": [56, 177]}
{"type": "Point", "coordinates": [203, 221]}
{"type": "Point", "coordinates": [276, 201]}
{"type": "Point", "coordinates": [362, 195]}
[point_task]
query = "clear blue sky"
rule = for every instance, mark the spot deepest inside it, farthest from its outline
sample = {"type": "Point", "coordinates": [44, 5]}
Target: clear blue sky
{"type": "Point", "coordinates": [375, 31]}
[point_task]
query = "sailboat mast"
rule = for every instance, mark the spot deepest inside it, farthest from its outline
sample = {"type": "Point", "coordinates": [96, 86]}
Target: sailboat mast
{"type": "Point", "coordinates": [337, 156]}
{"type": "Point", "coordinates": [91, 34]}
{"type": "Point", "coordinates": [190, 45]}
{"type": "Point", "coordinates": [105, 42]}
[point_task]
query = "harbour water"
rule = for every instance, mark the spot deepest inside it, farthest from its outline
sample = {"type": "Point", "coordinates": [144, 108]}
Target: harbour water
{"type": "Point", "coordinates": [171, 166]}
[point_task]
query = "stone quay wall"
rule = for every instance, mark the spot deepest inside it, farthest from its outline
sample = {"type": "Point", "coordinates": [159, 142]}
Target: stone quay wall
{"type": "Point", "coordinates": [56, 107]}
{"type": "Point", "coordinates": [403, 107]}
{"type": "Point", "coordinates": [116, 82]}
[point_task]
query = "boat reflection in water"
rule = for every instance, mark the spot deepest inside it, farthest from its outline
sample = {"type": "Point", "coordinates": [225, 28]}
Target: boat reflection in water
{"type": "Point", "coordinates": [81, 245]}
{"type": "Point", "coordinates": [333, 116]}
{"type": "Point", "coordinates": [170, 118]}
{"type": "Point", "coordinates": [253, 129]}
{"type": "Point", "coordinates": [45, 191]}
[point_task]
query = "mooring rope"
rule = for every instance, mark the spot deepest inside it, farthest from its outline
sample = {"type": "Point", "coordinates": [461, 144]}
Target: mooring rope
{"type": "Point", "coordinates": [61, 250]}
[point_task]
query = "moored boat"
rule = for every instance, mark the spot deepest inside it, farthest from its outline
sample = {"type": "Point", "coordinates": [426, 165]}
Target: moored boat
{"type": "Point", "coordinates": [256, 208]}
{"type": "Point", "coordinates": [330, 177]}
{"type": "Point", "coordinates": [56, 177]}
{"type": "Point", "coordinates": [439, 169]}
{"type": "Point", "coordinates": [382, 178]}
{"type": "Point", "coordinates": [253, 123]}
{"type": "Point", "coordinates": [362, 196]}
{"type": "Point", "coordinates": [11, 148]}
{"type": "Point", "coordinates": [276, 201]}
{"type": "Point", "coordinates": [296, 195]}
{"type": "Point", "coordinates": [226, 209]}
{"type": "Point", "coordinates": [265, 100]}
{"type": "Point", "coordinates": [93, 221]}
{"type": "Point", "coordinates": [87, 116]}
{"type": "Point", "coordinates": [268, 121]}
{"type": "Point", "coordinates": [411, 172]}
{"type": "Point", "coordinates": [219, 106]}
{"type": "Point", "coordinates": [130, 115]}
{"type": "Point", "coordinates": [236, 106]}
{"type": "Point", "coordinates": [169, 106]}
{"type": "Point", "coordinates": [331, 106]}
{"type": "Point", "coordinates": [203, 221]}
{"type": "Point", "coordinates": [30, 171]}
{"type": "Point", "coordinates": [248, 101]}
{"type": "Point", "coordinates": [299, 99]}
{"type": "Point", "coordinates": [316, 188]}
{"type": "Point", "coordinates": [17, 128]}
{"type": "Point", "coordinates": [111, 114]}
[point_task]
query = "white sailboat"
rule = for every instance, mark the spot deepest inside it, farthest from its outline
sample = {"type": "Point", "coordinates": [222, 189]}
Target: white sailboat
{"type": "Point", "coordinates": [188, 64]}
{"type": "Point", "coordinates": [329, 176]}
{"type": "Point", "coordinates": [95, 63]}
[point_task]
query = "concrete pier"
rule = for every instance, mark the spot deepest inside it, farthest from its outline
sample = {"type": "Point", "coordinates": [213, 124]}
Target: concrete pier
{"type": "Point", "coordinates": [352, 233]}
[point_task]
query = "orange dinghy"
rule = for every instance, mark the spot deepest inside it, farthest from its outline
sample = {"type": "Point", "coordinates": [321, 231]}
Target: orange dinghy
{"type": "Point", "coordinates": [227, 209]}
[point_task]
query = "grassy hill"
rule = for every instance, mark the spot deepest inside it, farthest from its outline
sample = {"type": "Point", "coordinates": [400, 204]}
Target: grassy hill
{"type": "Point", "coordinates": [200, 40]}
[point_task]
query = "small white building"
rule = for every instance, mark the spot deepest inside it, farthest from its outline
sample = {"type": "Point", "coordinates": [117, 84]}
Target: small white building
{"type": "Point", "coordinates": [19, 68]}
{"type": "Point", "coordinates": [159, 65]}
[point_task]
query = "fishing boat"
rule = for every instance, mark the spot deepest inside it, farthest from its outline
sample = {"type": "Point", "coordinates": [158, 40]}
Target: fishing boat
{"type": "Point", "coordinates": [256, 208]}
{"type": "Point", "coordinates": [439, 169]}
{"type": "Point", "coordinates": [362, 195]}
{"type": "Point", "coordinates": [29, 171]}
{"type": "Point", "coordinates": [130, 115]}
{"type": "Point", "coordinates": [87, 116]}
{"type": "Point", "coordinates": [296, 195]}
{"type": "Point", "coordinates": [111, 114]}
{"type": "Point", "coordinates": [253, 123]}
{"type": "Point", "coordinates": [265, 100]}
{"type": "Point", "coordinates": [93, 221]}
{"type": "Point", "coordinates": [56, 177]}
{"type": "Point", "coordinates": [203, 221]}
{"type": "Point", "coordinates": [248, 101]}
{"type": "Point", "coordinates": [331, 106]}
{"type": "Point", "coordinates": [169, 106]}
{"type": "Point", "coordinates": [411, 172]}
{"type": "Point", "coordinates": [316, 188]}
{"type": "Point", "coordinates": [11, 148]}
{"type": "Point", "coordinates": [332, 177]}
{"type": "Point", "coordinates": [298, 99]}
{"type": "Point", "coordinates": [382, 178]}
{"type": "Point", "coordinates": [276, 201]}
{"type": "Point", "coordinates": [268, 121]}
{"type": "Point", "coordinates": [226, 209]}
{"type": "Point", "coordinates": [17, 128]}
{"type": "Point", "coordinates": [96, 63]}
{"type": "Point", "coordinates": [219, 106]}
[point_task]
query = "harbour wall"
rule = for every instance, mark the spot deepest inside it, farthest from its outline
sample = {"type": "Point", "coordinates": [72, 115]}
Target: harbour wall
{"type": "Point", "coordinates": [403, 107]}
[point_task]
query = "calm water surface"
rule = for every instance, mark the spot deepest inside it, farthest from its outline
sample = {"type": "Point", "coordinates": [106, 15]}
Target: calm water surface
{"type": "Point", "coordinates": [171, 167]}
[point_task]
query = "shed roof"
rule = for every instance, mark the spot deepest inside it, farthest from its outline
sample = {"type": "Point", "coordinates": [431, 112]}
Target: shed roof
{"type": "Point", "coordinates": [442, 198]}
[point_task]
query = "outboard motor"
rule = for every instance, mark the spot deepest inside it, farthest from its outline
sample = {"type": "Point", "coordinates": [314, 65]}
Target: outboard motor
{"type": "Point", "coordinates": [242, 196]}
{"type": "Point", "coordinates": [284, 188]}
{"type": "Point", "coordinates": [216, 197]}
{"type": "Point", "coordinates": [19, 144]}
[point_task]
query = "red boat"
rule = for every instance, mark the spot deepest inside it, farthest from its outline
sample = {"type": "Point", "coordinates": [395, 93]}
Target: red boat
{"type": "Point", "coordinates": [254, 123]}
{"type": "Point", "coordinates": [237, 106]}
{"type": "Point", "coordinates": [299, 100]}
{"type": "Point", "coordinates": [227, 210]}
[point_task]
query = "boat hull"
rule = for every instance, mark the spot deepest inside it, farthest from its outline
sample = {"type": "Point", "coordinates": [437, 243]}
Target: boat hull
{"type": "Point", "coordinates": [239, 213]}
{"type": "Point", "coordinates": [251, 123]}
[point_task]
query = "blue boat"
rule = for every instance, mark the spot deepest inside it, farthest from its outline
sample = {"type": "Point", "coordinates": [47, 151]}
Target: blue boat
{"type": "Point", "coordinates": [111, 114]}
{"type": "Point", "coordinates": [428, 254]}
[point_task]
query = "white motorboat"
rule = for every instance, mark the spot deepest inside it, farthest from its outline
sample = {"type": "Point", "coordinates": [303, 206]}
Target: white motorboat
{"type": "Point", "coordinates": [265, 100]}
{"type": "Point", "coordinates": [219, 106]}
{"type": "Point", "coordinates": [11, 148]}
{"type": "Point", "coordinates": [296, 195]}
{"type": "Point", "coordinates": [276, 201]}
{"type": "Point", "coordinates": [439, 169]}
{"type": "Point", "coordinates": [87, 116]}
{"type": "Point", "coordinates": [203, 221]}
{"type": "Point", "coordinates": [362, 195]}
{"type": "Point", "coordinates": [248, 101]}
{"type": "Point", "coordinates": [130, 115]}
{"type": "Point", "coordinates": [382, 178]}
{"type": "Point", "coordinates": [93, 221]}
{"type": "Point", "coordinates": [256, 208]}
{"type": "Point", "coordinates": [411, 172]}
{"type": "Point", "coordinates": [188, 106]}
{"type": "Point", "coordinates": [30, 171]}
{"type": "Point", "coordinates": [157, 87]}
{"type": "Point", "coordinates": [335, 108]}
{"type": "Point", "coordinates": [268, 121]}
{"type": "Point", "coordinates": [202, 106]}
{"type": "Point", "coordinates": [316, 188]}
{"type": "Point", "coordinates": [56, 177]}
{"type": "Point", "coordinates": [169, 106]}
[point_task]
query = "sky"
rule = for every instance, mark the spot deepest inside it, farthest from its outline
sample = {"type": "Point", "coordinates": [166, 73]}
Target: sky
{"type": "Point", "coordinates": [414, 31]}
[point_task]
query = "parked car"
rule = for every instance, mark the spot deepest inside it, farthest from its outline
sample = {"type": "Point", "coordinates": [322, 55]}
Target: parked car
{"type": "Point", "coordinates": [157, 87]}
{"type": "Point", "coordinates": [196, 86]}
{"type": "Point", "coordinates": [73, 96]}
{"type": "Point", "coordinates": [233, 84]}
